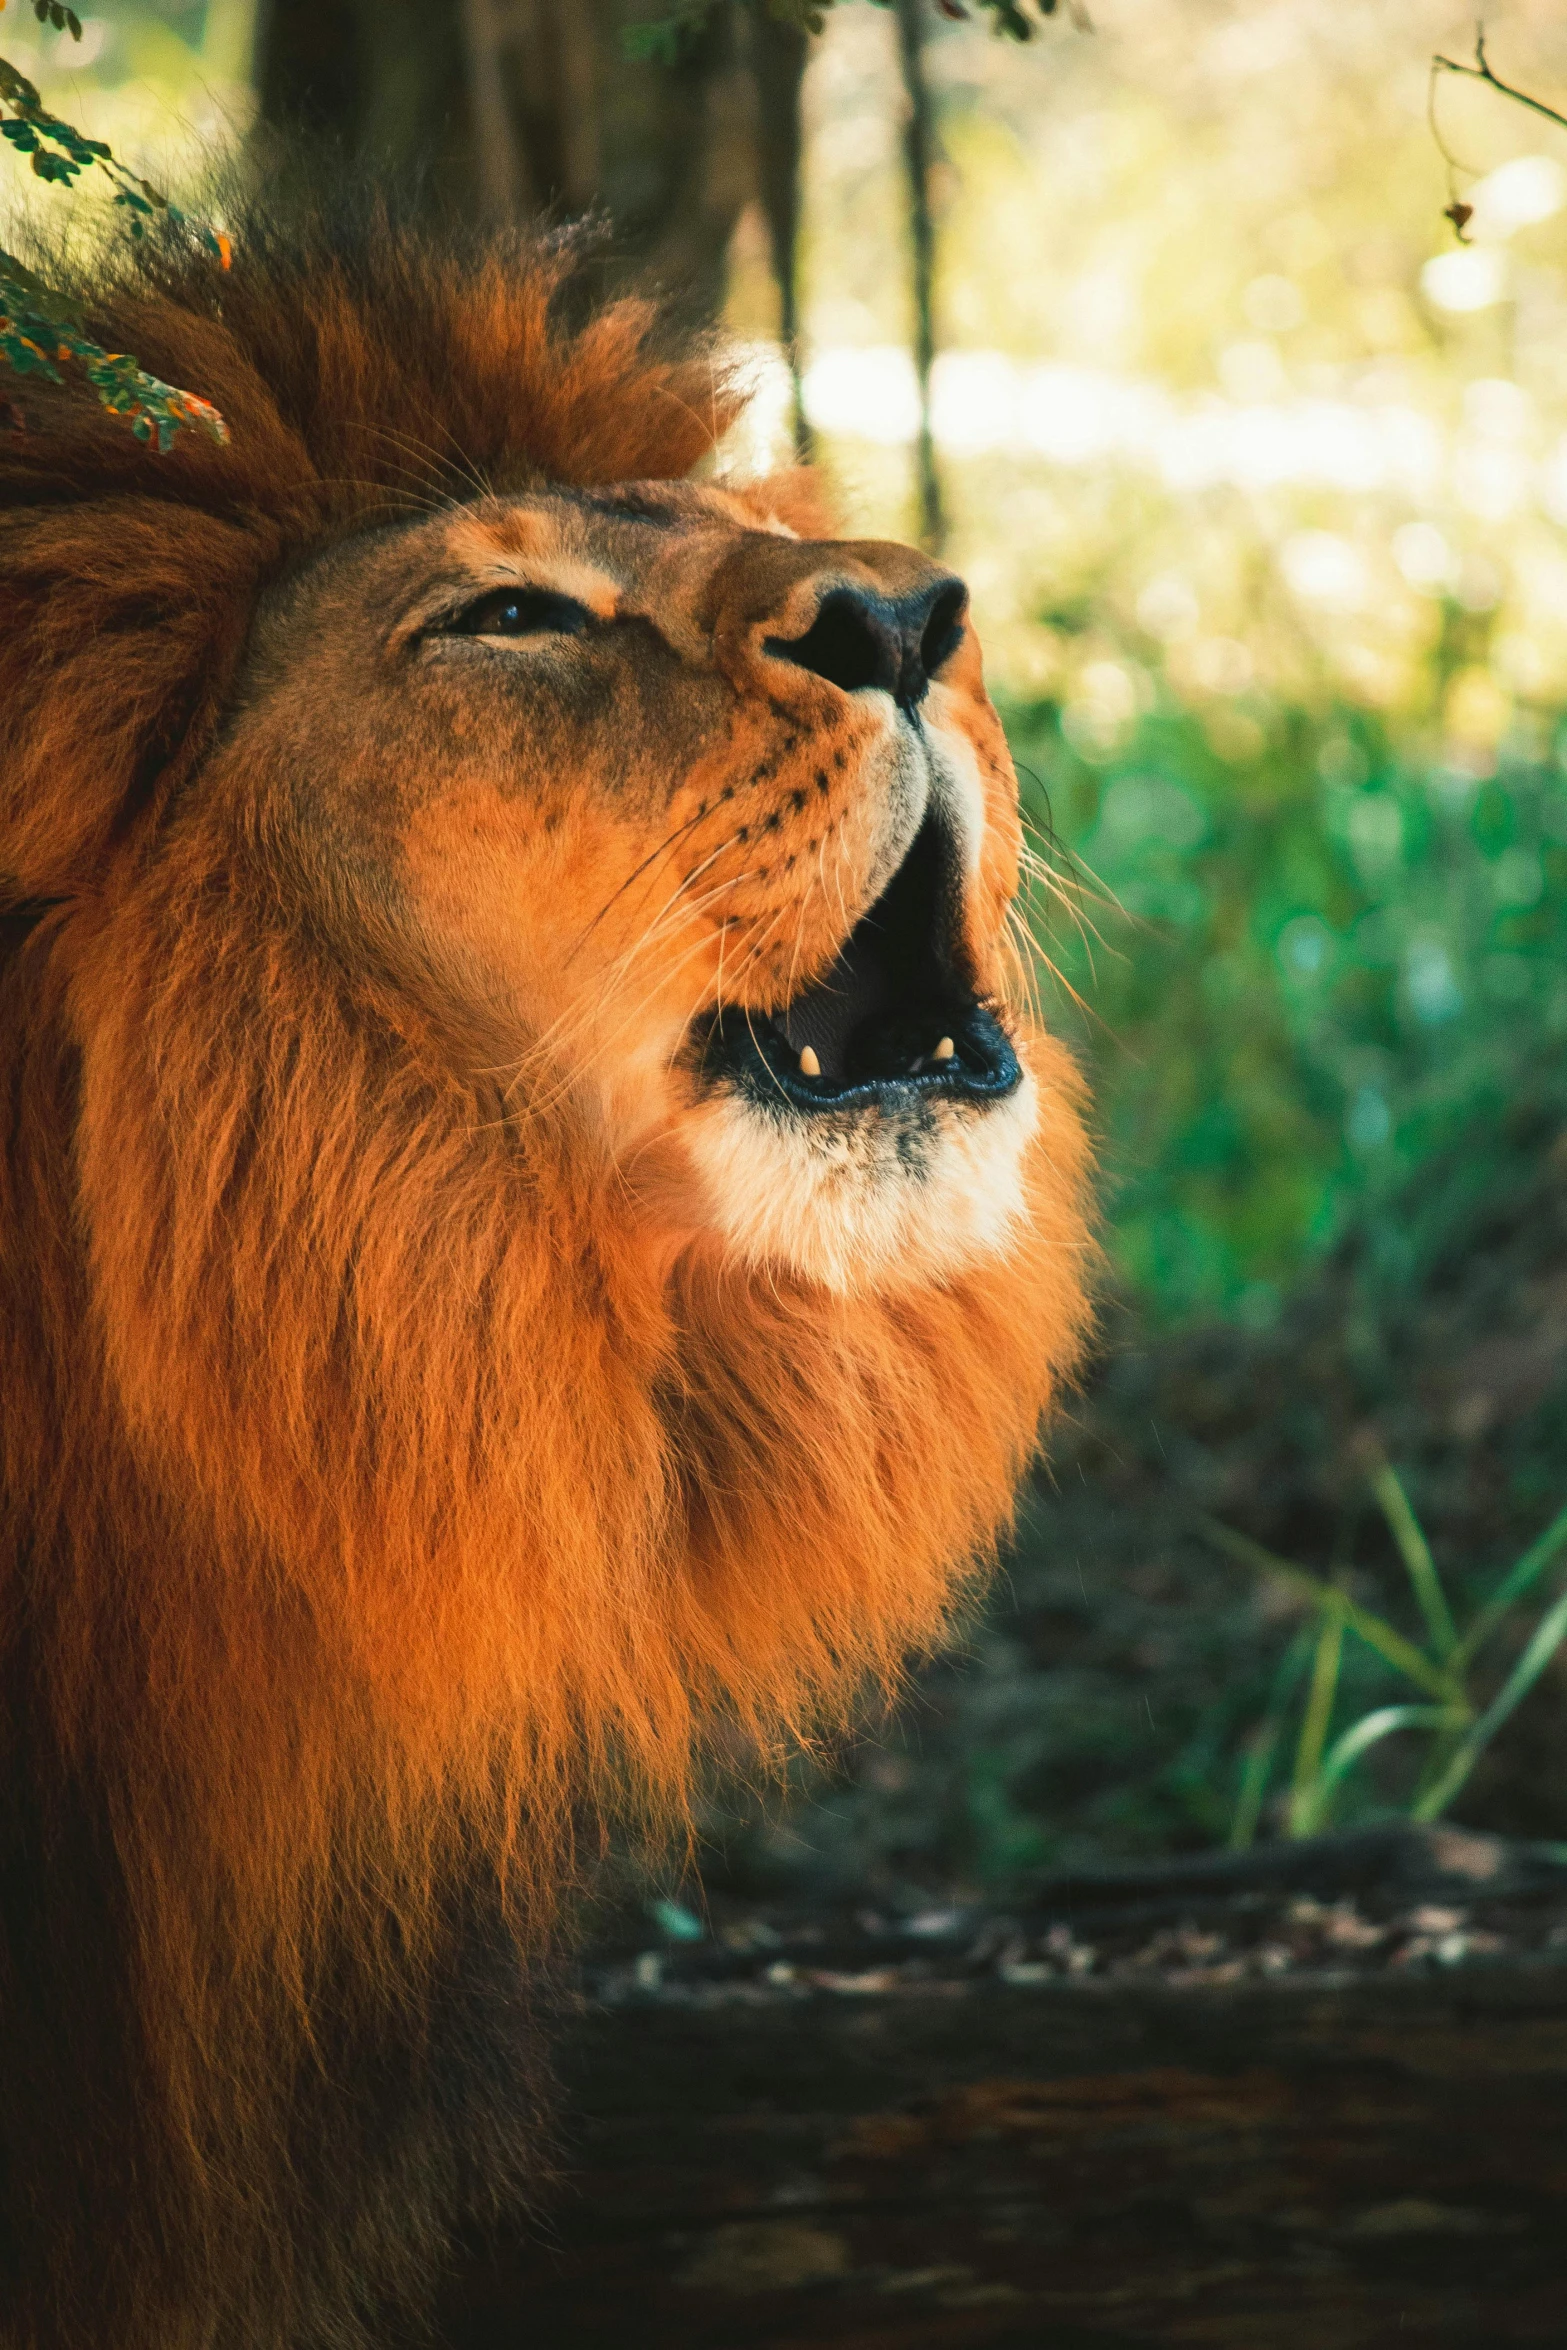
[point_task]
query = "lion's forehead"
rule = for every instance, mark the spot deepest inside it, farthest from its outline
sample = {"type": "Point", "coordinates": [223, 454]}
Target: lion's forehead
{"type": "Point", "coordinates": [637, 547]}
{"type": "Point", "coordinates": [628, 529]}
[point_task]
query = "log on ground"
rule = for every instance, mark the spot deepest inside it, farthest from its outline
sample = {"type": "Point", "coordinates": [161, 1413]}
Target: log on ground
{"type": "Point", "coordinates": [1313, 2095]}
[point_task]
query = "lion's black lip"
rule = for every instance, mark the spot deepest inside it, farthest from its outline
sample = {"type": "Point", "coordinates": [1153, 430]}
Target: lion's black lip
{"type": "Point", "coordinates": [873, 1024]}
{"type": "Point", "coordinates": [754, 1054]}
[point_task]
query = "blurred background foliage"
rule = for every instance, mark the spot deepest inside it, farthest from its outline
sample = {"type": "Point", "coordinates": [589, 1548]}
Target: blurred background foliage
{"type": "Point", "coordinates": [1259, 477]}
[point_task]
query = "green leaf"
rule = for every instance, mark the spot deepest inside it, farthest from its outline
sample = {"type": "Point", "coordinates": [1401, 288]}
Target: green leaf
{"type": "Point", "coordinates": [1549, 1634]}
{"type": "Point", "coordinates": [1263, 1743]}
{"type": "Point", "coordinates": [24, 356]}
{"type": "Point", "coordinates": [1415, 1552]}
{"type": "Point", "coordinates": [1512, 1588]}
{"type": "Point", "coordinates": [20, 286]}
{"type": "Point", "coordinates": [16, 87]}
{"type": "Point", "coordinates": [1369, 1731]}
{"type": "Point", "coordinates": [1402, 1654]}
{"type": "Point", "coordinates": [1306, 1793]}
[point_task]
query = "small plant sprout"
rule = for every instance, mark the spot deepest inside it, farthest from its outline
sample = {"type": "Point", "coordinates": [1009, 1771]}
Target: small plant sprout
{"type": "Point", "coordinates": [1439, 1672]}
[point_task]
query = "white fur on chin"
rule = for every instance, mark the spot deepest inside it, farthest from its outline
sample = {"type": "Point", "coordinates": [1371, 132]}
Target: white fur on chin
{"type": "Point", "coordinates": [864, 1199]}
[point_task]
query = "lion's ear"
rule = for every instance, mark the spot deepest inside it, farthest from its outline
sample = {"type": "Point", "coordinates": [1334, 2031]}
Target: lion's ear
{"type": "Point", "coordinates": [120, 623]}
{"type": "Point", "coordinates": [795, 498]}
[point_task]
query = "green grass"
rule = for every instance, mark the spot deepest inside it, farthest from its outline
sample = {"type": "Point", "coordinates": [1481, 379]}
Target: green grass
{"type": "Point", "coordinates": [1303, 973]}
{"type": "Point", "coordinates": [1446, 1717]}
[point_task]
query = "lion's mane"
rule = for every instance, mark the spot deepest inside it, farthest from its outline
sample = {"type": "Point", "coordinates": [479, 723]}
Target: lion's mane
{"type": "Point", "coordinates": [371, 1516]}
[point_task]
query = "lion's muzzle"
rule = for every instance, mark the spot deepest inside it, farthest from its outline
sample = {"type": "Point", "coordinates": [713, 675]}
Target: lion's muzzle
{"type": "Point", "coordinates": [895, 1019]}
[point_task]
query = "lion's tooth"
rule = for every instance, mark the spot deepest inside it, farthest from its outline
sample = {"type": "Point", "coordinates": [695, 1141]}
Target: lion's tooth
{"type": "Point", "coordinates": [810, 1066]}
{"type": "Point", "coordinates": [945, 1050]}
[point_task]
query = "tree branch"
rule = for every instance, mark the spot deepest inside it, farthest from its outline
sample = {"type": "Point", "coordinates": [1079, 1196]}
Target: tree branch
{"type": "Point", "coordinates": [40, 328]}
{"type": "Point", "coordinates": [1456, 210]}
{"type": "Point", "coordinates": [1480, 71]}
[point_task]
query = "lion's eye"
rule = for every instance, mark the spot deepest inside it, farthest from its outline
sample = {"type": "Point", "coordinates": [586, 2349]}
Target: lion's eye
{"type": "Point", "coordinates": [522, 612]}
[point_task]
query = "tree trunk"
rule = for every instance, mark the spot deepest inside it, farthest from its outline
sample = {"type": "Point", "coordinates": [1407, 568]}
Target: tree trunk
{"type": "Point", "coordinates": [517, 106]}
{"type": "Point", "coordinates": [919, 145]}
{"type": "Point", "coordinates": [777, 62]}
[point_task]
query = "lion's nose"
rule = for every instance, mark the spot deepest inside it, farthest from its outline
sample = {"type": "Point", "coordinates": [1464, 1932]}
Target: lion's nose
{"type": "Point", "coordinates": [896, 643]}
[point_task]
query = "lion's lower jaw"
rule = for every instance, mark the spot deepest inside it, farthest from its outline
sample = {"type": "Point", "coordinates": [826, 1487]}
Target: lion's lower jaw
{"type": "Point", "coordinates": [866, 1200]}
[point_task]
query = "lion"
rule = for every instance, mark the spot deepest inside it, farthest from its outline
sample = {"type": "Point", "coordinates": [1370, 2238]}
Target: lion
{"type": "Point", "coordinates": [535, 1224]}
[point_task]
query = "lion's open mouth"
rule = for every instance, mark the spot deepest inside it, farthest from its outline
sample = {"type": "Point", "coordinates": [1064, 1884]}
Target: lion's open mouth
{"type": "Point", "coordinates": [895, 1018]}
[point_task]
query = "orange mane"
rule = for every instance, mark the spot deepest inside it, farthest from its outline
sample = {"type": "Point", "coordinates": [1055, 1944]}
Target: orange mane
{"type": "Point", "coordinates": [372, 1510]}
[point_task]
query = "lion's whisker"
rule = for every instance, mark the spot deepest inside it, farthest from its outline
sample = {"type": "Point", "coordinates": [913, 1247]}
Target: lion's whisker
{"type": "Point", "coordinates": [457, 460]}
{"type": "Point", "coordinates": [648, 861]}
{"type": "Point", "coordinates": [799, 936]}
{"type": "Point", "coordinates": [591, 1056]}
{"type": "Point", "coordinates": [564, 1033]}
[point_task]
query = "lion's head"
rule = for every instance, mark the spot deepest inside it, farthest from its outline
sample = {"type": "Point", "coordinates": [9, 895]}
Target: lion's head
{"type": "Point", "coordinates": [570, 1230]}
{"type": "Point", "coordinates": [676, 828]}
